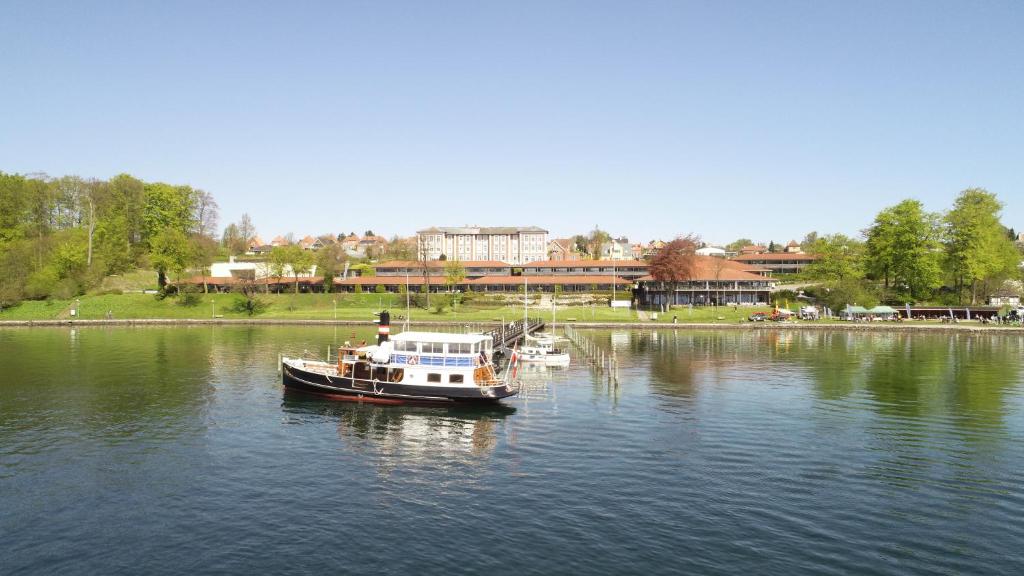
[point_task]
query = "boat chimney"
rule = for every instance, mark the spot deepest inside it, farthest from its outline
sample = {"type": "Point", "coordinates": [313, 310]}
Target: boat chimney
{"type": "Point", "coordinates": [383, 327]}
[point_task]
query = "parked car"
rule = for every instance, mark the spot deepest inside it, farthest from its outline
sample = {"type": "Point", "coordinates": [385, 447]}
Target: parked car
{"type": "Point", "coordinates": [758, 317]}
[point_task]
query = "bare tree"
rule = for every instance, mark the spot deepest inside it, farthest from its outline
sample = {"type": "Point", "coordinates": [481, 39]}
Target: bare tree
{"type": "Point", "coordinates": [246, 229]}
{"type": "Point", "coordinates": [205, 213]}
{"type": "Point", "coordinates": [424, 260]}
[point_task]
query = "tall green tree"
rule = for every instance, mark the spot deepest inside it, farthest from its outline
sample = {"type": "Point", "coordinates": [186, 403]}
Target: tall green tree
{"type": "Point", "coordinates": [903, 250]}
{"type": "Point", "coordinates": [301, 262]}
{"type": "Point", "coordinates": [839, 258]}
{"type": "Point", "coordinates": [171, 251]}
{"type": "Point", "coordinates": [979, 253]}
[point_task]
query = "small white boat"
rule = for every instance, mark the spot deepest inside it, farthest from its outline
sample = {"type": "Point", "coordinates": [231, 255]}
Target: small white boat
{"type": "Point", "coordinates": [542, 351]}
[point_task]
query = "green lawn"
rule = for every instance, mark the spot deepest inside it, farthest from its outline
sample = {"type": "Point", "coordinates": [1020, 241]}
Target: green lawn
{"type": "Point", "coordinates": [351, 307]}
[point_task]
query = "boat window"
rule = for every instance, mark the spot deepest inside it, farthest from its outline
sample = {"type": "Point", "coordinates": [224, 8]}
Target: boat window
{"type": "Point", "coordinates": [437, 347]}
{"type": "Point", "coordinates": [455, 378]}
{"type": "Point", "coordinates": [380, 373]}
{"type": "Point", "coordinates": [433, 377]}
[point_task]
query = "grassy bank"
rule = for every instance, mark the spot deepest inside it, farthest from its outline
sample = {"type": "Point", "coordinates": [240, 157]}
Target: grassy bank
{"type": "Point", "coordinates": [325, 307]}
{"type": "Point", "coordinates": [359, 307]}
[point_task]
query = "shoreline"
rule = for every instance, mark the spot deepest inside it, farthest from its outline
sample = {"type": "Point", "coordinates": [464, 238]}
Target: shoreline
{"type": "Point", "coordinates": [849, 327]}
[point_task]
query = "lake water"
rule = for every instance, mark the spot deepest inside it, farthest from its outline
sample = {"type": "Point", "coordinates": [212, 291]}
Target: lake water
{"type": "Point", "coordinates": [175, 450]}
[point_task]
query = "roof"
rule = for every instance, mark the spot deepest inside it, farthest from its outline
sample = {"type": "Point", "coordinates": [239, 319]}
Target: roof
{"type": "Point", "coordinates": [583, 263]}
{"type": "Point", "coordinates": [440, 337]}
{"type": "Point", "coordinates": [855, 309]}
{"type": "Point", "coordinates": [882, 310]}
{"type": "Point", "coordinates": [775, 256]}
{"type": "Point", "coordinates": [483, 230]}
{"type": "Point", "coordinates": [414, 280]}
{"type": "Point", "coordinates": [548, 280]}
{"type": "Point", "coordinates": [710, 268]}
{"type": "Point", "coordinates": [442, 264]}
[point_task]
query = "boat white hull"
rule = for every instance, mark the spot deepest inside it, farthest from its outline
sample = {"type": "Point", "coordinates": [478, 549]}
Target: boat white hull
{"type": "Point", "coordinates": [545, 359]}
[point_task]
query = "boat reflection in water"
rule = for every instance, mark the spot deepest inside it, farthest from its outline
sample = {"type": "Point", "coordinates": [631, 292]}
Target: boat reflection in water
{"type": "Point", "coordinates": [455, 432]}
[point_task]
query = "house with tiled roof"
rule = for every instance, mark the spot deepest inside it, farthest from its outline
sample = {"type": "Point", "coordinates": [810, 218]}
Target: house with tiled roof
{"type": "Point", "coordinates": [713, 281]}
{"type": "Point", "coordinates": [563, 249]}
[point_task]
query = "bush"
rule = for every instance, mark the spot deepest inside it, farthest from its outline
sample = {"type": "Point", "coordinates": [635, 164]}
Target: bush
{"type": "Point", "coordinates": [189, 295]}
{"type": "Point", "coordinates": [359, 289]}
{"type": "Point", "coordinates": [67, 288]}
{"type": "Point", "coordinates": [249, 305]}
{"type": "Point", "coordinates": [380, 289]}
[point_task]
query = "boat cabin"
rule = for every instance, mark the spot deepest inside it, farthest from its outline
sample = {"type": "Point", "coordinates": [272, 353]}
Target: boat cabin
{"type": "Point", "coordinates": [422, 357]}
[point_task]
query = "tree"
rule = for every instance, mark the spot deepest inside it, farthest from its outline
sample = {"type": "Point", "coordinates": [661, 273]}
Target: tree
{"type": "Point", "coordinates": [165, 207]}
{"type": "Point", "coordinates": [301, 262]}
{"type": "Point", "coordinates": [839, 258]}
{"type": "Point", "coordinates": [246, 230]}
{"type": "Point", "coordinates": [809, 239]}
{"type": "Point", "coordinates": [329, 261]}
{"type": "Point", "coordinates": [595, 240]}
{"type": "Point", "coordinates": [232, 240]}
{"type": "Point", "coordinates": [772, 247]}
{"type": "Point", "coordinates": [454, 274]}
{"type": "Point", "coordinates": [676, 262]}
{"type": "Point", "coordinates": [204, 213]}
{"type": "Point", "coordinates": [204, 250]}
{"type": "Point", "coordinates": [277, 261]}
{"type": "Point", "coordinates": [580, 243]}
{"type": "Point", "coordinates": [170, 252]}
{"type": "Point", "coordinates": [737, 245]}
{"type": "Point", "coordinates": [424, 261]}
{"type": "Point", "coordinates": [903, 250]}
{"type": "Point", "coordinates": [978, 250]}
{"type": "Point", "coordinates": [369, 234]}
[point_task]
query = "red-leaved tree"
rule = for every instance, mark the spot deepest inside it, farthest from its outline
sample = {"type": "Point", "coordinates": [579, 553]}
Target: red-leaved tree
{"type": "Point", "coordinates": [676, 262]}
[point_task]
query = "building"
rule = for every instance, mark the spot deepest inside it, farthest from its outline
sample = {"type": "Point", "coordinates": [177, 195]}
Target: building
{"type": "Point", "coordinates": [753, 249]}
{"type": "Point", "coordinates": [251, 270]}
{"type": "Point", "coordinates": [563, 249]}
{"type": "Point", "coordinates": [616, 250]}
{"type": "Point", "coordinates": [793, 248]}
{"type": "Point", "coordinates": [512, 244]}
{"type": "Point", "coordinates": [414, 269]}
{"type": "Point", "coordinates": [506, 284]}
{"type": "Point", "coordinates": [778, 262]}
{"type": "Point", "coordinates": [714, 282]}
{"type": "Point", "coordinates": [711, 251]}
{"type": "Point", "coordinates": [628, 269]}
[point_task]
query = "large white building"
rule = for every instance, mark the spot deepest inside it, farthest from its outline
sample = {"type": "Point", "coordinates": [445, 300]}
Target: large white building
{"type": "Point", "coordinates": [510, 244]}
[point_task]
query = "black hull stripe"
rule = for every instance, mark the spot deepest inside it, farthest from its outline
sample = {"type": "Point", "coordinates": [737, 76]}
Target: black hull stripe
{"type": "Point", "coordinates": [296, 378]}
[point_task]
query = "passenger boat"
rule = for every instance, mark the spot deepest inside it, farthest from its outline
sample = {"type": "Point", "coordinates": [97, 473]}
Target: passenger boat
{"type": "Point", "coordinates": [409, 368]}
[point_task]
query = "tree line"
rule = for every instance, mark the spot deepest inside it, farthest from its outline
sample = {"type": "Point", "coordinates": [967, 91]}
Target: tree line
{"type": "Point", "coordinates": [909, 254]}
{"type": "Point", "coordinates": [61, 236]}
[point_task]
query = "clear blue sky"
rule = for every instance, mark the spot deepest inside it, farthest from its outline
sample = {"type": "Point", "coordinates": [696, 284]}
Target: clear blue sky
{"type": "Point", "coordinates": [727, 119]}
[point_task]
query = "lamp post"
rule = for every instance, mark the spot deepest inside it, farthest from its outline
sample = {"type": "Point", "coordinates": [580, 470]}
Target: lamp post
{"type": "Point", "coordinates": [78, 308]}
{"type": "Point", "coordinates": [335, 302]}
{"type": "Point", "coordinates": [213, 308]}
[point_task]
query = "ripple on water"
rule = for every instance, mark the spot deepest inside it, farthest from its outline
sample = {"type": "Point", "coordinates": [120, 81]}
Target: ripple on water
{"type": "Point", "coordinates": [717, 453]}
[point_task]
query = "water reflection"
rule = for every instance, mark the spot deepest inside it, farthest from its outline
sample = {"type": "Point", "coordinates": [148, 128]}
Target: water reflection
{"type": "Point", "coordinates": [455, 433]}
